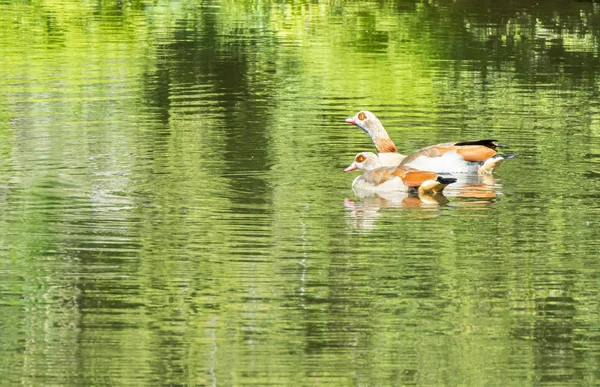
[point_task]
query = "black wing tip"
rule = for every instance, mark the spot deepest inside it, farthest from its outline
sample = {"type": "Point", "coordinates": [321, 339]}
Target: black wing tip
{"type": "Point", "coordinates": [446, 180]}
{"type": "Point", "coordinates": [489, 143]}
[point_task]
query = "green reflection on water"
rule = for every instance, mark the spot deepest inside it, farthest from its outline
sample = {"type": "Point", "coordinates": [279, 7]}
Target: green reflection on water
{"type": "Point", "coordinates": [174, 212]}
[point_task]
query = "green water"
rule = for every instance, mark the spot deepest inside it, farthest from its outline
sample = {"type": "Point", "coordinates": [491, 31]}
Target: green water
{"type": "Point", "coordinates": [173, 209]}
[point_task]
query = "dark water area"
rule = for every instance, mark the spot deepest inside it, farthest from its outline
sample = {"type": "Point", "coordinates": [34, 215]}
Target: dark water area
{"type": "Point", "coordinates": [173, 209]}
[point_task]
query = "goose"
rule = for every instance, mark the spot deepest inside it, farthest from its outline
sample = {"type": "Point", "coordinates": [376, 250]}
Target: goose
{"type": "Point", "coordinates": [471, 157]}
{"type": "Point", "coordinates": [379, 179]}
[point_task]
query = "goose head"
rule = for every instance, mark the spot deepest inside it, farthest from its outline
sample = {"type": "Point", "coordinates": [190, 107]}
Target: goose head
{"type": "Point", "coordinates": [366, 161]}
{"type": "Point", "coordinates": [370, 124]}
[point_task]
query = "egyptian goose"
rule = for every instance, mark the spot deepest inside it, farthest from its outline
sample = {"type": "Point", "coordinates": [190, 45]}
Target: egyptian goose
{"type": "Point", "coordinates": [380, 179]}
{"type": "Point", "coordinates": [473, 157]}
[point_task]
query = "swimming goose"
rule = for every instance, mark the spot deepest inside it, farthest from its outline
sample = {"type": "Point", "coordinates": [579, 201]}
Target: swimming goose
{"type": "Point", "coordinates": [473, 157]}
{"type": "Point", "coordinates": [381, 179]}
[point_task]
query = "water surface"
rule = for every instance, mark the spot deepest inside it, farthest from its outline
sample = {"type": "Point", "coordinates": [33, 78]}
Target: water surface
{"type": "Point", "coordinates": [173, 209]}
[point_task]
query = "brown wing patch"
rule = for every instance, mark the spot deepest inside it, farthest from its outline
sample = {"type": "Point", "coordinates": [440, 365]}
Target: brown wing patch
{"type": "Point", "coordinates": [401, 171]}
{"type": "Point", "coordinates": [468, 152]}
{"type": "Point", "coordinates": [416, 178]}
{"type": "Point", "coordinates": [475, 152]}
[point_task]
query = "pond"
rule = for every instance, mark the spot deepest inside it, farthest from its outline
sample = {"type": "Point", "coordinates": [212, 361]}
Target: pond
{"type": "Point", "coordinates": [173, 207]}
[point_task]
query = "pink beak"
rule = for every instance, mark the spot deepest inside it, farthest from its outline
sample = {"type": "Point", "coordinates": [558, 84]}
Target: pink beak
{"type": "Point", "coordinates": [351, 120]}
{"type": "Point", "coordinates": [352, 167]}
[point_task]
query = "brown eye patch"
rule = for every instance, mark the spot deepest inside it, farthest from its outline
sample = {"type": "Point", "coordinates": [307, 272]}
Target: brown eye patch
{"type": "Point", "coordinates": [360, 158]}
{"type": "Point", "coordinates": [362, 116]}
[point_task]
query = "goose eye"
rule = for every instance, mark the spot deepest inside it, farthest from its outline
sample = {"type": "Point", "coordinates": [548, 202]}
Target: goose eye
{"type": "Point", "coordinates": [362, 116]}
{"type": "Point", "coordinates": [360, 158]}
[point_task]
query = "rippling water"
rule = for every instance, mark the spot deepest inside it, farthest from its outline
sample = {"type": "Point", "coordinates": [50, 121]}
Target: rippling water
{"type": "Point", "coordinates": [173, 209]}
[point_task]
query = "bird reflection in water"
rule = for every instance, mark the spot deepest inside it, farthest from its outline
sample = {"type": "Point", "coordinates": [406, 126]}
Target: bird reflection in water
{"type": "Point", "coordinates": [364, 212]}
{"type": "Point", "coordinates": [471, 191]}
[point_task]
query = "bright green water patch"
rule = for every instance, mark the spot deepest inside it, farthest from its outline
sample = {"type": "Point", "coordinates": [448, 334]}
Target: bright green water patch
{"type": "Point", "coordinates": [173, 209]}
